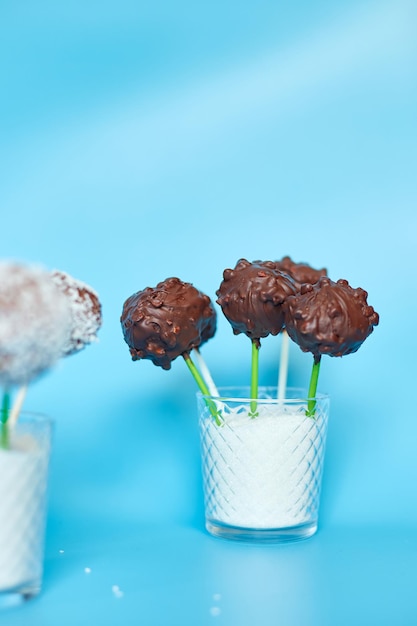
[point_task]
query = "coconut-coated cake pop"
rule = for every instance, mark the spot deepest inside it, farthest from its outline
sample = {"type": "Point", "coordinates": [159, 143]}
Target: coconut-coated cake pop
{"type": "Point", "coordinates": [85, 307]}
{"type": "Point", "coordinates": [167, 321]}
{"type": "Point", "coordinates": [35, 322]}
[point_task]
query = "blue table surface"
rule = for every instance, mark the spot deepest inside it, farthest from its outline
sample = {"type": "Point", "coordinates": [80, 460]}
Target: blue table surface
{"type": "Point", "coordinates": [144, 141]}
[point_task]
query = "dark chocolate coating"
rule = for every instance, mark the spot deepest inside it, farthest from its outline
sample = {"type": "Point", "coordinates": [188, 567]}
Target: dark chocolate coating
{"type": "Point", "coordinates": [329, 318]}
{"type": "Point", "coordinates": [170, 320]}
{"type": "Point", "coordinates": [251, 297]}
{"type": "Point", "coordinates": [301, 273]}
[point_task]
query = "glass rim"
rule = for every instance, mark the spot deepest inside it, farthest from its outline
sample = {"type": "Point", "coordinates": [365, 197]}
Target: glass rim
{"type": "Point", "coordinates": [300, 394]}
{"type": "Point", "coordinates": [34, 417]}
{"type": "Point", "coordinates": [39, 427]}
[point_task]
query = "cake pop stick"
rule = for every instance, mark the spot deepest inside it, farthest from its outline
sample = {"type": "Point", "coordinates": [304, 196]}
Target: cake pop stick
{"type": "Point", "coordinates": [5, 406]}
{"type": "Point", "coordinates": [17, 406]}
{"type": "Point", "coordinates": [205, 372]}
{"type": "Point", "coordinates": [203, 388]}
{"type": "Point", "coordinates": [4, 416]}
{"type": "Point", "coordinates": [283, 364]}
{"type": "Point", "coordinates": [312, 390]}
{"type": "Point", "coordinates": [254, 377]}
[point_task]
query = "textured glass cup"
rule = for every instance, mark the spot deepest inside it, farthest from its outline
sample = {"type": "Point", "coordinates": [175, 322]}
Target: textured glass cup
{"type": "Point", "coordinates": [262, 475]}
{"type": "Point", "coordinates": [24, 461]}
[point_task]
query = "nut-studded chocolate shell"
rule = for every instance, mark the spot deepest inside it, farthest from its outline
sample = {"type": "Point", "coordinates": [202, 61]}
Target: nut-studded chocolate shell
{"type": "Point", "coordinates": [167, 321]}
{"type": "Point", "coordinates": [329, 318]}
{"type": "Point", "coordinates": [251, 297]}
{"type": "Point", "coordinates": [301, 273]}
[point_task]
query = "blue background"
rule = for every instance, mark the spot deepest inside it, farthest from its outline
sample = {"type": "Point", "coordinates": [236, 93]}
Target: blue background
{"type": "Point", "coordinates": [141, 141]}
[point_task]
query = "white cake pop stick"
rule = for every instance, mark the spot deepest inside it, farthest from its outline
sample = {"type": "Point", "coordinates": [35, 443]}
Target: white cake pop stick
{"type": "Point", "coordinates": [205, 372]}
{"type": "Point", "coordinates": [17, 405]}
{"type": "Point", "coordinates": [283, 365]}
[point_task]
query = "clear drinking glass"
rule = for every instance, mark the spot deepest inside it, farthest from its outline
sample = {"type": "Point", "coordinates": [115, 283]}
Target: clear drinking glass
{"type": "Point", "coordinates": [24, 461]}
{"type": "Point", "coordinates": [262, 463]}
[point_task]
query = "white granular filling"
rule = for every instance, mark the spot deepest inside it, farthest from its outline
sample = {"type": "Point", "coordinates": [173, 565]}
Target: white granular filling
{"type": "Point", "coordinates": [263, 472]}
{"type": "Point", "coordinates": [23, 471]}
{"type": "Point", "coordinates": [34, 323]}
{"type": "Point", "coordinates": [86, 321]}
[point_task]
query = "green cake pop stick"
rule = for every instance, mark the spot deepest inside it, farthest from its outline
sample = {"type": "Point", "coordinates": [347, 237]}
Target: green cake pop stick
{"type": "Point", "coordinates": [312, 390]}
{"type": "Point", "coordinates": [4, 416]}
{"type": "Point", "coordinates": [203, 388]}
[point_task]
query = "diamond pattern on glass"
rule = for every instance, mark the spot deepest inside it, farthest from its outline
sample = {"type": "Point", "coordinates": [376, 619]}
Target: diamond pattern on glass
{"type": "Point", "coordinates": [263, 472]}
{"type": "Point", "coordinates": [23, 481]}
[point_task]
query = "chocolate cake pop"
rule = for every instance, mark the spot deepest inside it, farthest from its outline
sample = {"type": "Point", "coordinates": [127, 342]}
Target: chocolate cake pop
{"type": "Point", "coordinates": [35, 323]}
{"type": "Point", "coordinates": [300, 272]}
{"type": "Point", "coordinates": [251, 296]}
{"type": "Point", "coordinates": [167, 321]}
{"type": "Point", "coordinates": [329, 318]}
{"type": "Point", "coordinates": [85, 310]}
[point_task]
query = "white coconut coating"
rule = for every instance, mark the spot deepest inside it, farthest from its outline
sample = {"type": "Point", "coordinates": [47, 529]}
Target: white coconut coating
{"type": "Point", "coordinates": [85, 311]}
{"type": "Point", "coordinates": [35, 323]}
